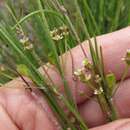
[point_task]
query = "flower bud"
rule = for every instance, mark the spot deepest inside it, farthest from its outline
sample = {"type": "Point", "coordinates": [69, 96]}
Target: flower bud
{"type": "Point", "coordinates": [86, 63]}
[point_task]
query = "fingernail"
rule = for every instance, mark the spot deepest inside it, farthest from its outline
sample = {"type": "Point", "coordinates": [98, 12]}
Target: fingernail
{"type": "Point", "coordinates": [124, 126]}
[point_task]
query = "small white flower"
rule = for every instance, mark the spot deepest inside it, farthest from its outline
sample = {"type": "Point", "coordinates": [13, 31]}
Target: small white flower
{"type": "Point", "coordinates": [78, 72]}
{"type": "Point", "coordinates": [98, 91]}
{"type": "Point", "coordinates": [29, 47]}
{"type": "Point", "coordinates": [24, 40]}
{"type": "Point", "coordinates": [88, 77]}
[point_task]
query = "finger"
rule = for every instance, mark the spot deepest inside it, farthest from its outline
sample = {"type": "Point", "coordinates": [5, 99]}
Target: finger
{"type": "Point", "coordinates": [6, 122]}
{"type": "Point", "coordinates": [92, 113]}
{"type": "Point", "coordinates": [77, 62]}
{"type": "Point", "coordinates": [29, 110]}
{"type": "Point", "coordinates": [117, 125]}
{"type": "Point", "coordinates": [114, 48]}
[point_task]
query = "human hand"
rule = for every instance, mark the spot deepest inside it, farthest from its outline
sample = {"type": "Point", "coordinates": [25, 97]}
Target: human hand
{"type": "Point", "coordinates": [23, 110]}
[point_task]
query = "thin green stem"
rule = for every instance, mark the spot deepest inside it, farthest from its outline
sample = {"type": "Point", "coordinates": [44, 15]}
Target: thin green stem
{"type": "Point", "coordinates": [35, 13]}
{"type": "Point", "coordinates": [76, 114]}
{"type": "Point", "coordinates": [7, 76]}
{"type": "Point", "coordinates": [117, 15]}
{"type": "Point", "coordinates": [88, 12]}
{"type": "Point", "coordinates": [14, 17]}
{"type": "Point", "coordinates": [121, 81]}
{"type": "Point", "coordinates": [101, 13]}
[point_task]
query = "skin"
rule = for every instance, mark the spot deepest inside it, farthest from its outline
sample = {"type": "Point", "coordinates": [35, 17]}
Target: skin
{"type": "Point", "coordinates": [21, 109]}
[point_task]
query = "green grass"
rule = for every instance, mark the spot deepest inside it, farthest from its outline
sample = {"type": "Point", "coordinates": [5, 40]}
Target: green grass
{"type": "Point", "coordinates": [26, 43]}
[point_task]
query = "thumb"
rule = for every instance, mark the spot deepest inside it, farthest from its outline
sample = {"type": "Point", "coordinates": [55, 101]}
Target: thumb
{"type": "Point", "coordinates": [123, 124]}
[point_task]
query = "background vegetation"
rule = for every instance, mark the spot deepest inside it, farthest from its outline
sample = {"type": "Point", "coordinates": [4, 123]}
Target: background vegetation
{"type": "Point", "coordinates": [36, 32]}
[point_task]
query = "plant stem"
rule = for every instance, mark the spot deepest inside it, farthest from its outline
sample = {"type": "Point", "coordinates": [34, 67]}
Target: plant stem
{"type": "Point", "coordinates": [106, 107]}
{"type": "Point", "coordinates": [122, 79]}
{"type": "Point", "coordinates": [88, 12]}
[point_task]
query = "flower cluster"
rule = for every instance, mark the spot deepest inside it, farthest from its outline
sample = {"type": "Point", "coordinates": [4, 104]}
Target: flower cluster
{"type": "Point", "coordinates": [24, 40]}
{"type": "Point", "coordinates": [26, 43]}
{"type": "Point", "coordinates": [86, 76]}
{"type": "Point", "coordinates": [59, 33]}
